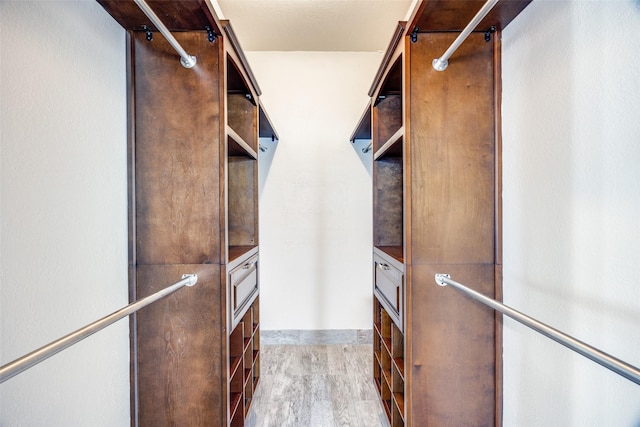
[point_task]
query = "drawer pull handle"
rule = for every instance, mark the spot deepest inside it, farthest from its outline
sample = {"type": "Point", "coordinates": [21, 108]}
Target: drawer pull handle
{"type": "Point", "coordinates": [385, 267]}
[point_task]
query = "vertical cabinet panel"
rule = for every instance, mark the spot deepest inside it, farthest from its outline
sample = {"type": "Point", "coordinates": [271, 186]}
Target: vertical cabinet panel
{"type": "Point", "coordinates": [177, 361]}
{"type": "Point", "coordinates": [452, 152]}
{"type": "Point", "coordinates": [453, 361]}
{"type": "Point", "coordinates": [177, 151]}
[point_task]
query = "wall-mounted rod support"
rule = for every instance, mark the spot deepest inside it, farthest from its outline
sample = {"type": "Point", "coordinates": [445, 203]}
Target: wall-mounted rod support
{"type": "Point", "coordinates": [440, 64]}
{"type": "Point", "coordinates": [25, 362]}
{"type": "Point", "coordinates": [616, 365]}
{"type": "Point", "coordinates": [186, 60]}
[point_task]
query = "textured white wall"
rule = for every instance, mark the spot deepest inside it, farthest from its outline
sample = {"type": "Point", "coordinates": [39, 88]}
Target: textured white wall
{"type": "Point", "coordinates": [571, 98]}
{"type": "Point", "coordinates": [63, 211]}
{"type": "Point", "coordinates": [315, 212]}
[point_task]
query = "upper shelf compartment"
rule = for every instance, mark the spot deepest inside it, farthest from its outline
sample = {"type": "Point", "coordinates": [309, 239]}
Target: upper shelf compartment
{"type": "Point", "coordinates": [454, 15]}
{"type": "Point", "coordinates": [176, 15]}
{"type": "Point", "coordinates": [265, 127]}
{"type": "Point", "coordinates": [242, 107]}
{"type": "Point", "coordinates": [363, 128]}
{"type": "Point", "coordinates": [387, 108]}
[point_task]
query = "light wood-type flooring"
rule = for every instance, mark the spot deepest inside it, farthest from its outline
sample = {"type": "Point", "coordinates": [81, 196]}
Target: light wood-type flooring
{"type": "Point", "coordinates": [321, 385]}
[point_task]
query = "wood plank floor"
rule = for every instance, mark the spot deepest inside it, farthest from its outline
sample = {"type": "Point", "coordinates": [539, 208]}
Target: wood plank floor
{"type": "Point", "coordinates": [316, 386]}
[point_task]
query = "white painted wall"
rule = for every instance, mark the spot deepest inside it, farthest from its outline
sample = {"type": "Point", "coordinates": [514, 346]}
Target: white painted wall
{"type": "Point", "coordinates": [63, 251]}
{"type": "Point", "coordinates": [571, 99]}
{"type": "Point", "coordinates": [315, 212]}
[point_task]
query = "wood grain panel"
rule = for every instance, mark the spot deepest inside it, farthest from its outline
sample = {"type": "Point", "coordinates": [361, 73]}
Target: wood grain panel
{"type": "Point", "coordinates": [242, 117]}
{"type": "Point", "coordinates": [452, 358]}
{"type": "Point", "coordinates": [388, 213]}
{"type": "Point", "coordinates": [179, 349]}
{"type": "Point", "coordinates": [177, 150]}
{"type": "Point", "coordinates": [452, 152]}
{"type": "Point", "coordinates": [242, 193]}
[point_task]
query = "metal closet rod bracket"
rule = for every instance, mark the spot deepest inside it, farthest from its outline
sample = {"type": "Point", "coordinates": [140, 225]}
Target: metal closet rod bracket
{"type": "Point", "coordinates": [149, 33]}
{"type": "Point", "coordinates": [414, 34]}
{"type": "Point", "coordinates": [211, 35]}
{"type": "Point", "coordinates": [187, 61]}
{"type": "Point", "coordinates": [487, 34]}
{"type": "Point", "coordinates": [440, 64]}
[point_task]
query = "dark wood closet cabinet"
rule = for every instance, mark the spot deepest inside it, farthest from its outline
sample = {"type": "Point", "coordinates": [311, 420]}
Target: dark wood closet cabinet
{"type": "Point", "coordinates": [193, 177]}
{"type": "Point", "coordinates": [436, 209]}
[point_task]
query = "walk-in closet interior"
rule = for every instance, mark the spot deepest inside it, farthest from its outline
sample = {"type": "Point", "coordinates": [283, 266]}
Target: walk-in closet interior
{"type": "Point", "coordinates": [252, 333]}
{"type": "Point", "coordinates": [193, 164]}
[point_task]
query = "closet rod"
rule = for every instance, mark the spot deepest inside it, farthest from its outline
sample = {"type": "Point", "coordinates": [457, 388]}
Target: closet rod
{"type": "Point", "coordinates": [186, 60]}
{"type": "Point", "coordinates": [616, 365]}
{"type": "Point", "coordinates": [29, 360]}
{"type": "Point", "coordinates": [440, 64]}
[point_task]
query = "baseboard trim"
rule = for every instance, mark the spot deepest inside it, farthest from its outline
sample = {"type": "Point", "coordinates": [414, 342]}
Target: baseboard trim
{"type": "Point", "coordinates": [316, 336]}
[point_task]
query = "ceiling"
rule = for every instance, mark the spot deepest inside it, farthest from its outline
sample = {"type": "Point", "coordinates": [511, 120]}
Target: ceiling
{"type": "Point", "coordinates": [314, 25]}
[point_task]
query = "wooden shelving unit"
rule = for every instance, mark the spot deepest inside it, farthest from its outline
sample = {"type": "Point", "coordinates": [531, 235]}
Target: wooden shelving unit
{"type": "Point", "coordinates": [436, 156]}
{"type": "Point", "coordinates": [193, 168]}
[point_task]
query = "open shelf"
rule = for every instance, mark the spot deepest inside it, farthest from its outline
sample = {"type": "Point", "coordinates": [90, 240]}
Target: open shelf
{"type": "Point", "coordinates": [392, 147]}
{"type": "Point", "coordinates": [238, 146]}
{"type": "Point", "coordinates": [242, 196]}
{"type": "Point", "coordinates": [395, 252]}
{"type": "Point", "coordinates": [363, 128]}
{"type": "Point", "coordinates": [236, 252]}
{"type": "Point", "coordinates": [265, 128]}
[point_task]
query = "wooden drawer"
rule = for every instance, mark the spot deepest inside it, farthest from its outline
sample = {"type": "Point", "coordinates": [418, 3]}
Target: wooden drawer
{"type": "Point", "coordinates": [389, 288]}
{"type": "Point", "coordinates": [243, 288]}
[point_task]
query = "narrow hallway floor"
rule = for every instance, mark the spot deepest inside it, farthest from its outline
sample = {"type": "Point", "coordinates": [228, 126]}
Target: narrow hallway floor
{"type": "Point", "coordinates": [325, 385]}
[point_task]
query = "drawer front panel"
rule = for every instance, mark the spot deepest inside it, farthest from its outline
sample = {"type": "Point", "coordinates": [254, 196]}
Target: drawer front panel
{"type": "Point", "coordinates": [243, 282]}
{"type": "Point", "coordinates": [388, 287]}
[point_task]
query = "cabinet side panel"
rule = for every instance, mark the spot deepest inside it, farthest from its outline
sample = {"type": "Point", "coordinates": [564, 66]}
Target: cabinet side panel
{"type": "Point", "coordinates": [453, 348]}
{"type": "Point", "coordinates": [179, 361]}
{"type": "Point", "coordinates": [177, 118]}
{"type": "Point", "coordinates": [452, 152]}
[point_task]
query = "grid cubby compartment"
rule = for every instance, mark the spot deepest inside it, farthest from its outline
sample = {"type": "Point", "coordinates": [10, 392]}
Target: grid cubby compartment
{"type": "Point", "coordinates": [236, 370]}
{"type": "Point", "coordinates": [244, 364]}
{"type": "Point", "coordinates": [388, 366]}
